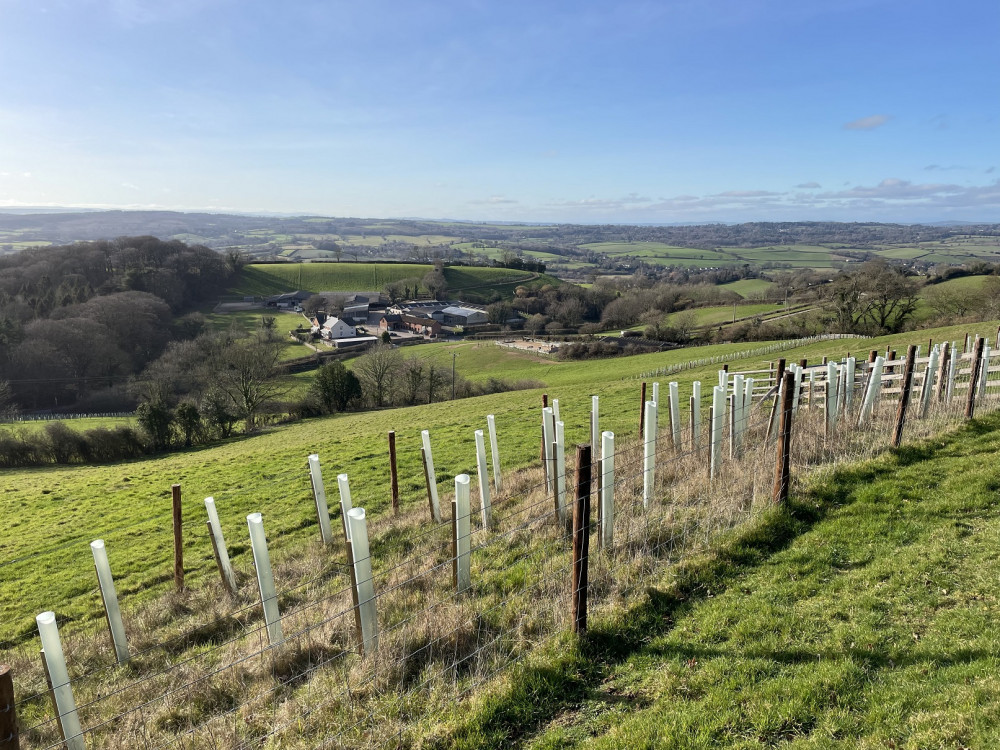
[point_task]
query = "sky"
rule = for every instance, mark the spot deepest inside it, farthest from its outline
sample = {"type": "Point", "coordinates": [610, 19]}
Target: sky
{"type": "Point", "coordinates": [589, 112]}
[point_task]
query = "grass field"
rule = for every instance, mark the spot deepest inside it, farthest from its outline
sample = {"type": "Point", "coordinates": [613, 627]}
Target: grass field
{"type": "Point", "coordinates": [749, 288]}
{"type": "Point", "coordinates": [268, 279]}
{"type": "Point", "coordinates": [54, 512]}
{"type": "Point", "coordinates": [862, 615]}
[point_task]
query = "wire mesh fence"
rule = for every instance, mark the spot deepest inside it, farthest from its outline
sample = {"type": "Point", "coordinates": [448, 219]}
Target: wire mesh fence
{"type": "Point", "coordinates": [206, 672]}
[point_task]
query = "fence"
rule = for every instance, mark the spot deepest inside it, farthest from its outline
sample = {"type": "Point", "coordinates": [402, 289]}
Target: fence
{"type": "Point", "coordinates": [348, 643]}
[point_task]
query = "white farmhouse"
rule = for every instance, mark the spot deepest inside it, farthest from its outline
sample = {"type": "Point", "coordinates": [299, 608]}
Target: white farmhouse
{"type": "Point", "coordinates": [335, 328]}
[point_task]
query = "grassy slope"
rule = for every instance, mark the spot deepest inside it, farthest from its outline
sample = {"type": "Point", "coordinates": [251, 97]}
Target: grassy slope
{"type": "Point", "coordinates": [267, 279]}
{"type": "Point", "coordinates": [863, 615]}
{"type": "Point", "coordinates": [59, 510]}
{"type": "Point", "coordinates": [749, 288]}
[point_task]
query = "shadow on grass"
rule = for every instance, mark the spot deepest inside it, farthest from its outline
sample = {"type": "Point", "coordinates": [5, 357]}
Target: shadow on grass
{"type": "Point", "coordinates": [539, 692]}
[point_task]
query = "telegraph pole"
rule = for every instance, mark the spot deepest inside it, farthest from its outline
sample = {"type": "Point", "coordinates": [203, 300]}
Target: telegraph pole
{"type": "Point", "coordinates": [453, 355]}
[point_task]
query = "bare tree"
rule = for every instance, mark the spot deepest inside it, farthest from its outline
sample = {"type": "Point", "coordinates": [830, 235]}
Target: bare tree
{"type": "Point", "coordinates": [378, 370]}
{"type": "Point", "coordinates": [246, 371]}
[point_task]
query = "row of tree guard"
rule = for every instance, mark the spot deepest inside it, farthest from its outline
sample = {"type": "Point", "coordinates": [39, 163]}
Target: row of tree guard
{"type": "Point", "coordinates": [830, 385]}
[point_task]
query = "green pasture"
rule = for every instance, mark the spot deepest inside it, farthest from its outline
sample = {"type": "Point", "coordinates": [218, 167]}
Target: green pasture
{"type": "Point", "coordinates": [861, 615]}
{"type": "Point", "coordinates": [52, 513]}
{"type": "Point", "coordinates": [276, 278]}
{"type": "Point", "coordinates": [749, 288]}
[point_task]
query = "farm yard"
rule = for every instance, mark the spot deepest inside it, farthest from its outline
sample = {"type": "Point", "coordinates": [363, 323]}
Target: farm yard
{"type": "Point", "coordinates": [425, 655]}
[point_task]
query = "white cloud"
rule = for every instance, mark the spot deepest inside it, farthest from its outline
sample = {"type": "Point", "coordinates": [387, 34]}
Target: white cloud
{"type": "Point", "coordinates": [808, 185]}
{"type": "Point", "coordinates": [493, 200]}
{"type": "Point", "coordinates": [867, 123]}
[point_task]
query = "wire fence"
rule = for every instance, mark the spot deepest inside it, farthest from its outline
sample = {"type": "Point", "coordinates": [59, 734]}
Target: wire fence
{"type": "Point", "coordinates": [205, 671]}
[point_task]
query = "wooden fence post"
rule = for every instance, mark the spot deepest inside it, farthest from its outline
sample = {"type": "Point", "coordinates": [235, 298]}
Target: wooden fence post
{"type": "Point", "coordinates": [977, 356]}
{"type": "Point", "coordinates": [175, 491]}
{"type": "Point", "coordinates": [782, 468]}
{"type": "Point", "coordinates": [904, 397]}
{"type": "Point", "coordinates": [581, 538]}
{"type": "Point", "coordinates": [8, 714]}
{"type": "Point", "coordinates": [394, 477]}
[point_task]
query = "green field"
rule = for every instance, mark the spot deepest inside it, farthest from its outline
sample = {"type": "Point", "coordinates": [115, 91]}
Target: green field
{"type": "Point", "coordinates": [749, 288]}
{"type": "Point", "coordinates": [54, 512]}
{"type": "Point", "coordinates": [863, 615]}
{"type": "Point", "coordinates": [268, 279]}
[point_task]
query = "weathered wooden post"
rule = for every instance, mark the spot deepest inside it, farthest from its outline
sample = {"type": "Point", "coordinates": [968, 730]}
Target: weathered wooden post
{"type": "Point", "coordinates": [175, 493]}
{"type": "Point", "coordinates": [977, 356]}
{"type": "Point", "coordinates": [319, 495]}
{"type": "Point", "coordinates": [393, 475]}
{"type": "Point", "coordinates": [58, 674]}
{"type": "Point", "coordinates": [581, 538]}
{"type": "Point", "coordinates": [461, 530]}
{"type": "Point", "coordinates": [9, 737]}
{"type": "Point", "coordinates": [904, 397]}
{"type": "Point", "coordinates": [109, 596]}
{"type": "Point", "coordinates": [782, 478]}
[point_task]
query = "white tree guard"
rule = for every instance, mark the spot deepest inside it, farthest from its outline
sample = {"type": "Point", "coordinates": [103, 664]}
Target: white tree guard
{"type": "Point", "coordinates": [548, 437]}
{"type": "Point", "coordinates": [555, 410]}
{"type": "Point", "coordinates": [871, 393]}
{"type": "Point", "coordinates": [832, 381]}
{"type": "Point", "coordinates": [951, 370]}
{"type": "Point", "coordinates": [675, 413]}
{"type": "Point", "coordinates": [319, 493]}
{"type": "Point", "coordinates": [485, 504]}
{"type": "Point", "coordinates": [649, 453]}
{"type": "Point", "coordinates": [55, 660]}
{"type": "Point", "coordinates": [110, 596]}
{"type": "Point", "coordinates": [607, 489]}
{"type": "Point", "coordinates": [696, 413]}
{"type": "Point", "coordinates": [363, 576]}
{"type": "Point", "coordinates": [656, 392]}
{"type": "Point", "coordinates": [723, 379]}
{"type": "Point", "coordinates": [561, 471]}
{"type": "Point", "coordinates": [344, 485]}
{"type": "Point", "coordinates": [265, 578]}
{"type": "Point", "coordinates": [852, 369]}
{"type": "Point", "coordinates": [462, 513]}
{"type": "Point", "coordinates": [220, 543]}
{"type": "Point", "coordinates": [491, 423]}
{"type": "Point", "coordinates": [739, 412]}
{"type": "Point", "coordinates": [718, 424]}
{"type": "Point", "coordinates": [595, 426]}
{"type": "Point", "coordinates": [928, 388]}
{"type": "Point", "coordinates": [425, 438]}
{"type": "Point", "coordinates": [984, 367]}
{"type": "Point", "coordinates": [797, 389]}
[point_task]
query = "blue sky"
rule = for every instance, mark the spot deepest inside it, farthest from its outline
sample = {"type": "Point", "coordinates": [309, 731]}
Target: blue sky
{"type": "Point", "coordinates": [672, 111]}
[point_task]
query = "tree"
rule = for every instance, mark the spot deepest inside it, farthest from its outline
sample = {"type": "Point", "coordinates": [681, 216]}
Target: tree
{"type": "Point", "coordinates": [188, 422]}
{"type": "Point", "coordinates": [892, 296]}
{"type": "Point", "coordinates": [435, 282]}
{"type": "Point", "coordinates": [246, 371]}
{"type": "Point", "coordinates": [218, 411]}
{"type": "Point", "coordinates": [8, 407]}
{"type": "Point", "coordinates": [314, 304]}
{"type": "Point", "coordinates": [335, 387]}
{"type": "Point", "coordinates": [952, 301]}
{"type": "Point", "coordinates": [377, 371]}
{"type": "Point", "coordinates": [499, 313]}
{"type": "Point", "coordinates": [156, 419]}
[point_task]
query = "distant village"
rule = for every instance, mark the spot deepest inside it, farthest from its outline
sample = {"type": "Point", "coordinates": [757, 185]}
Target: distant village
{"type": "Point", "coordinates": [367, 317]}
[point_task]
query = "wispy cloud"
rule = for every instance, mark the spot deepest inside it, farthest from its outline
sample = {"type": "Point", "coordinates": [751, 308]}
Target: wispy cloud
{"type": "Point", "coordinates": [941, 168]}
{"type": "Point", "coordinates": [808, 185]}
{"type": "Point", "coordinates": [493, 200]}
{"type": "Point", "coordinates": [867, 123]}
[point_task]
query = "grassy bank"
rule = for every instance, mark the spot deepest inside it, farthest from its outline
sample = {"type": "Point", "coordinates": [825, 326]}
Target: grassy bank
{"type": "Point", "coordinates": [862, 615]}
